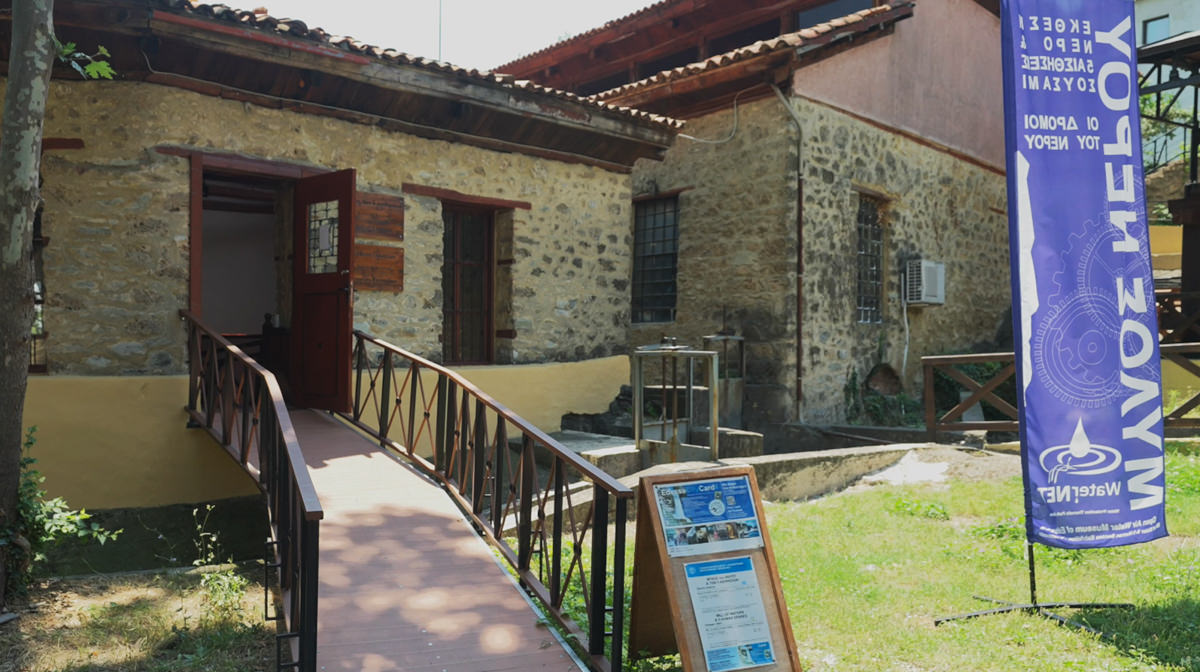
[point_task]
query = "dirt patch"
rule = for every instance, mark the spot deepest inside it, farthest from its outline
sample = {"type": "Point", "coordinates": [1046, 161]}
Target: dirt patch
{"type": "Point", "coordinates": [939, 463]}
{"type": "Point", "coordinates": [148, 622]}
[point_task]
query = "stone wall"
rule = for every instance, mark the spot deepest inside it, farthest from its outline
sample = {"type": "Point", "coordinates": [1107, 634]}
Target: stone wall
{"type": "Point", "coordinates": [737, 244]}
{"type": "Point", "coordinates": [117, 214]}
{"type": "Point", "coordinates": [937, 206]}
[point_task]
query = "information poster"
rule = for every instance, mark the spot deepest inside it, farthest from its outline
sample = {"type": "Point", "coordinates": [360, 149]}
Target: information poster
{"type": "Point", "coordinates": [708, 516]}
{"type": "Point", "coordinates": [1083, 288]}
{"type": "Point", "coordinates": [734, 631]}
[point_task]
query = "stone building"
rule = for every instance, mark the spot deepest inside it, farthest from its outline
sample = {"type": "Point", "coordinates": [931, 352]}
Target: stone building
{"type": "Point", "coordinates": [828, 144]}
{"type": "Point", "coordinates": [488, 221]}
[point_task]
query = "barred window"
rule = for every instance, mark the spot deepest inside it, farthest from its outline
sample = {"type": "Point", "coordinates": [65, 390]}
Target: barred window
{"type": "Point", "coordinates": [869, 260]}
{"type": "Point", "coordinates": [655, 258]}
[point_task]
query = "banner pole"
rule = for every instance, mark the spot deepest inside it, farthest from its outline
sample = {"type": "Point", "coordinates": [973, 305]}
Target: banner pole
{"type": "Point", "coordinates": [1032, 575]}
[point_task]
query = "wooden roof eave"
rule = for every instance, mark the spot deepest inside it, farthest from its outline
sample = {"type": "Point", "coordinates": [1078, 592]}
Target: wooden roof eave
{"type": "Point", "coordinates": [772, 67]}
{"type": "Point", "coordinates": [497, 98]}
{"type": "Point", "coordinates": [810, 51]}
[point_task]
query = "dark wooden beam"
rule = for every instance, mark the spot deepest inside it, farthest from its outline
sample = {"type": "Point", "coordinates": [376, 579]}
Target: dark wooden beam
{"type": "Point", "coordinates": [49, 144]}
{"type": "Point", "coordinates": [466, 199]}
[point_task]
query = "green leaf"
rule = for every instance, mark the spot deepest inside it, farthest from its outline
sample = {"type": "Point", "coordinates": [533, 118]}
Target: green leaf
{"type": "Point", "coordinates": [98, 70]}
{"type": "Point", "coordinates": [102, 51]}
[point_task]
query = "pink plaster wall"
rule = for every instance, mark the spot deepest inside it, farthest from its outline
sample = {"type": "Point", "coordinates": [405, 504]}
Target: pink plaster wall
{"type": "Point", "coordinates": [938, 76]}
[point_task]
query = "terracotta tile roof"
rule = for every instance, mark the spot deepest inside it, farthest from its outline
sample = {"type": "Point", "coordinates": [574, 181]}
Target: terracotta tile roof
{"type": "Point", "coordinates": [298, 29]}
{"type": "Point", "coordinates": [817, 35]}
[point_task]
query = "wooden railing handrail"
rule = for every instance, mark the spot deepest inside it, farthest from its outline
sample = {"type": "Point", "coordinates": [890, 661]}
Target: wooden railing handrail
{"type": "Point", "coordinates": [304, 484]}
{"type": "Point", "coordinates": [1176, 352]}
{"type": "Point", "coordinates": [597, 476]}
{"type": "Point", "coordinates": [973, 358]}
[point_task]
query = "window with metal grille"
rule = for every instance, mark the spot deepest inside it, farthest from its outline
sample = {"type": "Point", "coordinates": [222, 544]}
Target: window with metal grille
{"type": "Point", "coordinates": [869, 260]}
{"type": "Point", "coordinates": [655, 257]}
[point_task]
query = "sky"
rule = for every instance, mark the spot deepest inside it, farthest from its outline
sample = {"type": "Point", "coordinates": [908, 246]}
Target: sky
{"type": "Point", "coordinates": [474, 33]}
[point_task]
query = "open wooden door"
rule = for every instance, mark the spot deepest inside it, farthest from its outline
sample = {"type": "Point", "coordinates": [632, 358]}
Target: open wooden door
{"type": "Point", "coordinates": [323, 311]}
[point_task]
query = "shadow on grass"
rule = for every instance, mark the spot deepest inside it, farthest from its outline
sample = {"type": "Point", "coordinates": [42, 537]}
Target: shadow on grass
{"type": "Point", "coordinates": [1167, 633]}
{"type": "Point", "coordinates": [145, 623]}
{"type": "Point", "coordinates": [215, 646]}
{"type": "Point", "coordinates": [14, 647]}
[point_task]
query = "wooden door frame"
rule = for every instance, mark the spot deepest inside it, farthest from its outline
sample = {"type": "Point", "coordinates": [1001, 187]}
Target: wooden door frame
{"type": "Point", "coordinates": [230, 164]}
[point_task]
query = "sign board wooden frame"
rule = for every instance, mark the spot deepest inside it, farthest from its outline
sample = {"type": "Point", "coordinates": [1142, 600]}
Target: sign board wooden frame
{"type": "Point", "coordinates": [659, 578]}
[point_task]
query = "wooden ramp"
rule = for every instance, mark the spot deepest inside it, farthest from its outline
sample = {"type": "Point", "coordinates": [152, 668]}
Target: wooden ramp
{"type": "Point", "coordinates": [405, 583]}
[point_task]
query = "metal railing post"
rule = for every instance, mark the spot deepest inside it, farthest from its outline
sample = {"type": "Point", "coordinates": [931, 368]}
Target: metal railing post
{"type": "Point", "coordinates": [414, 375]}
{"type": "Point", "coordinates": [525, 505]}
{"type": "Point", "coordinates": [439, 435]}
{"type": "Point", "coordinates": [559, 475]}
{"type": "Point", "coordinates": [464, 442]}
{"type": "Point", "coordinates": [360, 362]}
{"type": "Point", "coordinates": [194, 365]}
{"type": "Point", "coordinates": [308, 596]}
{"type": "Point", "coordinates": [478, 458]}
{"type": "Point", "coordinates": [448, 449]}
{"type": "Point", "coordinates": [385, 396]}
{"type": "Point", "coordinates": [499, 455]}
{"type": "Point", "coordinates": [930, 409]}
{"type": "Point", "coordinates": [599, 571]}
{"type": "Point", "coordinates": [617, 649]}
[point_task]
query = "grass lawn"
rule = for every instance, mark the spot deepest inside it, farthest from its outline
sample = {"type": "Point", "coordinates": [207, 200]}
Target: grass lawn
{"type": "Point", "coordinates": [142, 623]}
{"type": "Point", "coordinates": [866, 572]}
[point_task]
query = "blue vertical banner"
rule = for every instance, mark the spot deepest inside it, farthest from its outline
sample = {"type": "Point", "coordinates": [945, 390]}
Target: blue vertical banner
{"type": "Point", "coordinates": [1086, 332]}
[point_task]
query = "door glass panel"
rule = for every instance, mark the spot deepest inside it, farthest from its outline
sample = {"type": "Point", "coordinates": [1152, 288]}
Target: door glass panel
{"type": "Point", "coordinates": [323, 237]}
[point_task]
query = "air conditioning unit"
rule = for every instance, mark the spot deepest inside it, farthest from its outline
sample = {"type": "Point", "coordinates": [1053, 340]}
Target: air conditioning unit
{"type": "Point", "coordinates": [925, 282]}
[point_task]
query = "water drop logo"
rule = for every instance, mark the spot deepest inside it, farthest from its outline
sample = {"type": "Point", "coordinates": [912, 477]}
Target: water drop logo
{"type": "Point", "coordinates": [1080, 457]}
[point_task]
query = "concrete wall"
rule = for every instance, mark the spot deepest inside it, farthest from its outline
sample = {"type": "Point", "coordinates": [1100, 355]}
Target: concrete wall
{"type": "Point", "coordinates": [737, 244]}
{"type": "Point", "coordinates": [117, 212]}
{"type": "Point", "coordinates": [938, 76]}
{"type": "Point", "coordinates": [937, 207]}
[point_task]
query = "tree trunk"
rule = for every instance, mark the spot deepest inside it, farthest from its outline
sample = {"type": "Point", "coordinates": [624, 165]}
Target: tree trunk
{"type": "Point", "coordinates": [30, 62]}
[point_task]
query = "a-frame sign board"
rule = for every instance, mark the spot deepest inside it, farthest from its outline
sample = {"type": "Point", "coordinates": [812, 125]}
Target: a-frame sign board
{"type": "Point", "coordinates": [705, 582]}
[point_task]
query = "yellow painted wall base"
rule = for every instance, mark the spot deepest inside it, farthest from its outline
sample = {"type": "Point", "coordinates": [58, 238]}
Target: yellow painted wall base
{"type": "Point", "coordinates": [543, 393]}
{"type": "Point", "coordinates": [1177, 381]}
{"type": "Point", "coordinates": [122, 441]}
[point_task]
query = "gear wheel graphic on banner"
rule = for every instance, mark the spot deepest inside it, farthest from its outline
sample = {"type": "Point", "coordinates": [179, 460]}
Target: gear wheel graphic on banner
{"type": "Point", "coordinates": [1086, 262]}
{"type": "Point", "coordinates": [1076, 346]}
{"type": "Point", "coordinates": [1083, 312]}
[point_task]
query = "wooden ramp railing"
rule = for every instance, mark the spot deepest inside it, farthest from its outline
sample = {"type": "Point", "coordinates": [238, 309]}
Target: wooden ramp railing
{"type": "Point", "coordinates": [1178, 316]}
{"type": "Point", "coordinates": [546, 510]}
{"type": "Point", "coordinates": [951, 368]}
{"type": "Point", "coordinates": [240, 404]}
